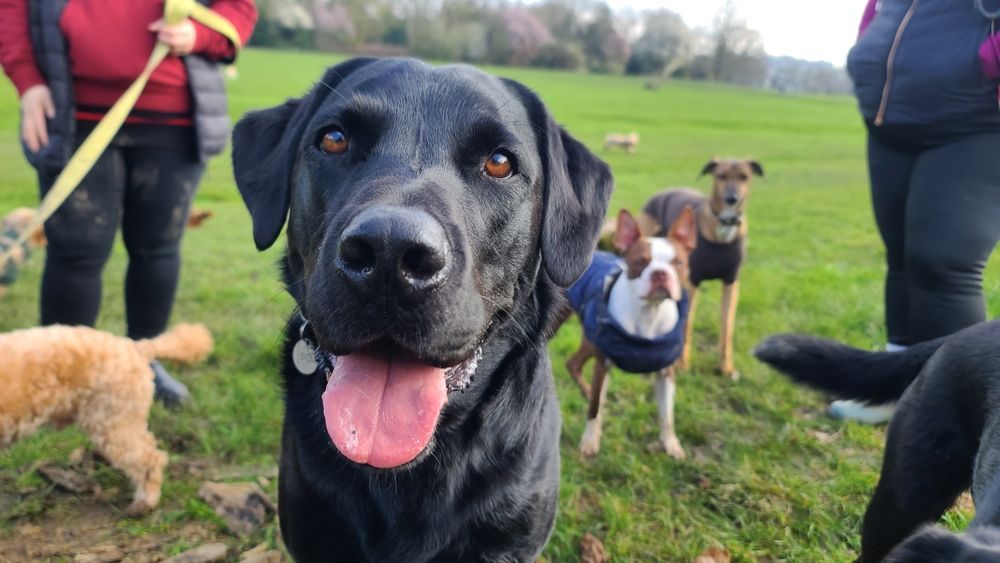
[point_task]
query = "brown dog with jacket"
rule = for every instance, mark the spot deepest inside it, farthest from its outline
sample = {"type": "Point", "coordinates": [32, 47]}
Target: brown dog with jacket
{"type": "Point", "coordinates": [722, 235]}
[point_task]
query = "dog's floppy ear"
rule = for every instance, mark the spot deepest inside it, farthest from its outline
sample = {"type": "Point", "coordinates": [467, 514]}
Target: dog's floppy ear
{"type": "Point", "coordinates": [756, 167]}
{"type": "Point", "coordinates": [709, 167]}
{"type": "Point", "coordinates": [264, 143]}
{"type": "Point", "coordinates": [577, 188]}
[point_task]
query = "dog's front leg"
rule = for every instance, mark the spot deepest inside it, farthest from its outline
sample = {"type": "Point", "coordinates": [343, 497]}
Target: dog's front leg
{"type": "Point", "coordinates": [730, 298]}
{"type": "Point", "coordinates": [590, 443]}
{"type": "Point", "coordinates": [685, 361]}
{"type": "Point", "coordinates": [666, 390]}
{"type": "Point", "coordinates": [577, 361]}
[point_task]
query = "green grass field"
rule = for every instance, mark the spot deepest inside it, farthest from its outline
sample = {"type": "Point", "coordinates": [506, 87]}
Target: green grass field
{"type": "Point", "coordinates": [768, 475]}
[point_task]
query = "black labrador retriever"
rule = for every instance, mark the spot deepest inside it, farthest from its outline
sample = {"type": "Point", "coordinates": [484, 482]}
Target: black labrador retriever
{"type": "Point", "coordinates": [434, 216]}
{"type": "Point", "coordinates": [944, 435]}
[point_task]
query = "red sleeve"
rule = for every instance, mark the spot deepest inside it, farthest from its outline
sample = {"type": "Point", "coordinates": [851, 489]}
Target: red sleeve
{"type": "Point", "coordinates": [16, 56]}
{"type": "Point", "coordinates": [213, 45]}
{"type": "Point", "coordinates": [867, 17]}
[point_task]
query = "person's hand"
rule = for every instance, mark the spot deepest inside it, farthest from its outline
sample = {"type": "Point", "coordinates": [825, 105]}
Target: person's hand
{"type": "Point", "coordinates": [180, 37]}
{"type": "Point", "coordinates": [36, 105]}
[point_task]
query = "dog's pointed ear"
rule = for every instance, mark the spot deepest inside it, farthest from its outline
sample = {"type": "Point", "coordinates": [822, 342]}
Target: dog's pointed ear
{"type": "Point", "coordinates": [626, 231]}
{"type": "Point", "coordinates": [264, 145]}
{"type": "Point", "coordinates": [683, 229]}
{"type": "Point", "coordinates": [756, 167]}
{"type": "Point", "coordinates": [709, 167]}
{"type": "Point", "coordinates": [577, 186]}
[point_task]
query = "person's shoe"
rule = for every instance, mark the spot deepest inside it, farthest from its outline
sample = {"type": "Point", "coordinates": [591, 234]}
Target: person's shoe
{"type": "Point", "coordinates": [861, 412]}
{"type": "Point", "coordinates": [169, 391]}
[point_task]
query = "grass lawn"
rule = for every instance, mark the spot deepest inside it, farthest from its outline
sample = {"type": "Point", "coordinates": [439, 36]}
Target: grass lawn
{"type": "Point", "coordinates": [768, 475]}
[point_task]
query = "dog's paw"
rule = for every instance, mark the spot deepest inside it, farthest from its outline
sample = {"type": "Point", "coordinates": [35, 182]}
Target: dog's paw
{"type": "Point", "coordinates": [728, 371]}
{"type": "Point", "coordinates": [590, 443]}
{"type": "Point", "coordinates": [138, 508]}
{"type": "Point", "coordinates": [673, 447]}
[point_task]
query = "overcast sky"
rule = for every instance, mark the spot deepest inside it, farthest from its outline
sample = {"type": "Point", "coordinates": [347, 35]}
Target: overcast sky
{"type": "Point", "coordinates": [821, 30]}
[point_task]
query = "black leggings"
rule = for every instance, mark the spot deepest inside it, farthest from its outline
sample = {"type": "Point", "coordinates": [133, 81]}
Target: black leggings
{"type": "Point", "coordinates": [146, 182]}
{"type": "Point", "coordinates": [936, 196]}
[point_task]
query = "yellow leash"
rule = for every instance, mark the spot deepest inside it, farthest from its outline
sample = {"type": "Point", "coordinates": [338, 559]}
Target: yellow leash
{"type": "Point", "coordinates": [174, 11]}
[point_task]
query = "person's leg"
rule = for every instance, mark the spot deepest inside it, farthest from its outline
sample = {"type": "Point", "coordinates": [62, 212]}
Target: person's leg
{"type": "Point", "coordinates": [953, 225]}
{"type": "Point", "coordinates": [161, 185]}
{"type": "Point", "coordinates": [80, 237]}
{"type": "Point", "coordinates": [889, 171]}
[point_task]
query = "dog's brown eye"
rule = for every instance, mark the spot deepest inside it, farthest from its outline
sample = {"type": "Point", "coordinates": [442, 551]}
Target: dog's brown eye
{"type": "Point", "coordinates": [334, 141]}
{"type": "Point", "coordinates": [499, 165]}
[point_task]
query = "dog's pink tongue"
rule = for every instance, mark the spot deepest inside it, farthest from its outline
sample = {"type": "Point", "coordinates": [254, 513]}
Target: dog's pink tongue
{"type": "Point", "coordinates": [380, 411]}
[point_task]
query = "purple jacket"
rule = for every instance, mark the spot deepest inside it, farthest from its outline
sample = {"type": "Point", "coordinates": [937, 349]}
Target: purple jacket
{"type": "Point", "coordinates": [989, 50]}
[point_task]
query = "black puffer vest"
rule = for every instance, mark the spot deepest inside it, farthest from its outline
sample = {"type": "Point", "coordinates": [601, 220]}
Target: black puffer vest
{"type": "Point", "coordinates": [933, 75]}
{"type": "Point", "coordinates": [211, 116]}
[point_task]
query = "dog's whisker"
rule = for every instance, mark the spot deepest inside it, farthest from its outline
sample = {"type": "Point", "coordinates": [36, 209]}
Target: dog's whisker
{"type": "Point", "coordinates": [522, 328]}
{"type": "Point", "coordinates": [285, 289]}
{"type": "Point", "coordinates": [334, 90]}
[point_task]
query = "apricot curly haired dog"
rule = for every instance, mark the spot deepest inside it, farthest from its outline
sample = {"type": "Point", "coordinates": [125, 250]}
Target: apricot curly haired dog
{"type": "Point", "coordinates": [103, 383]}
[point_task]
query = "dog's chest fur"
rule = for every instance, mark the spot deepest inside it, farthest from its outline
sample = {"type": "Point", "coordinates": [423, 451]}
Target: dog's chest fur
{"type": "Point", "coordinates": [640, 318]}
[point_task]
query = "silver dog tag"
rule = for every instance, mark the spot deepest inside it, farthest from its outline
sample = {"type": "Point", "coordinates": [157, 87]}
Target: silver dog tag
{"type": "Point", "coordinates": [304, 357]}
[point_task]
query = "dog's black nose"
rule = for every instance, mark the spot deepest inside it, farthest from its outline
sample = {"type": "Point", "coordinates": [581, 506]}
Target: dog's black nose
{"type": "Point", "coordinates": [732, 199]}
{"type": "Point", "coordinates": [402, 247]}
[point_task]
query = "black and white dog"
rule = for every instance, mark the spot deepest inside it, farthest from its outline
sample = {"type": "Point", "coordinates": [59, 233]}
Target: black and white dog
{"type": "Point", "coordinates": [944, 435]}
{"type": "Point", "coordinates": [434, 214]}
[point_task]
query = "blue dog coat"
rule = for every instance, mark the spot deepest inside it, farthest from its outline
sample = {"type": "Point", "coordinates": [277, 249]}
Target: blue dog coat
{"type": "Point", "coordinates": [631, 353]}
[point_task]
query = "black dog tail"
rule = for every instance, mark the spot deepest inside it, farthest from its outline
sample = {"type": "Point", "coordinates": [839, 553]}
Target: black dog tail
{"type": "Point", "coordinates": [827, 365]}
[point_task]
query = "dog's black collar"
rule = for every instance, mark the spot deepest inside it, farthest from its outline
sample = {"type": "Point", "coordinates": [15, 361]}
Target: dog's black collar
{"type": "Point", "coordinates": [733, 221]}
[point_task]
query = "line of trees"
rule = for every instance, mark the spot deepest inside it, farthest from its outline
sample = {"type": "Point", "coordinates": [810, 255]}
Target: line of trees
{"type": "Point", "coordinates": [563, 34]}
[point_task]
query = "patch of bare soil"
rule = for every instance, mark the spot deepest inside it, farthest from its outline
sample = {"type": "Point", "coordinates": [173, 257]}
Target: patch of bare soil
{"type": "Point", "coordinates": [89, 532]}
{"type": "Point", "coordinates": [71, 518]}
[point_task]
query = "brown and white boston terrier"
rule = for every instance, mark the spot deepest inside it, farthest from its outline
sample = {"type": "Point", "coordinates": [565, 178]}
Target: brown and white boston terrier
{"type": "Point", "coordinates": [632, 308]}
{"type": "Point", "coordinates": [722, 235]}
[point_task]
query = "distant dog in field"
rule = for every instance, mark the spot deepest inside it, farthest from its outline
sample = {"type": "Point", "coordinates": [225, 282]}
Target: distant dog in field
{"type": "Point", "coordinates": [943, 437]}
{"type": "Point", "coordinates": [199, 216]}
{"type": "Point", "coordinates": [61, 375]}
{"type": "Point", "coordinates": [11, 228]}
{"type": "Point", "coordinates": [629, 141]}
{"type": "Point", "coordinates": [722, 236]}
{"type": "Point", "coordinates": [632, 310]}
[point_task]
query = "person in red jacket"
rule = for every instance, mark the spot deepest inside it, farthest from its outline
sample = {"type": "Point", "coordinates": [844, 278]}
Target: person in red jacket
{"type": "Point", "coordinates": [70, 60]}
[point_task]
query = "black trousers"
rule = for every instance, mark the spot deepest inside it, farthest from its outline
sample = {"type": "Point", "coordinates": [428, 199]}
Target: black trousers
{"type": "Point", "coordinates": [145, 182]}
{"type": "Point", "coordinates": [936, 196]}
